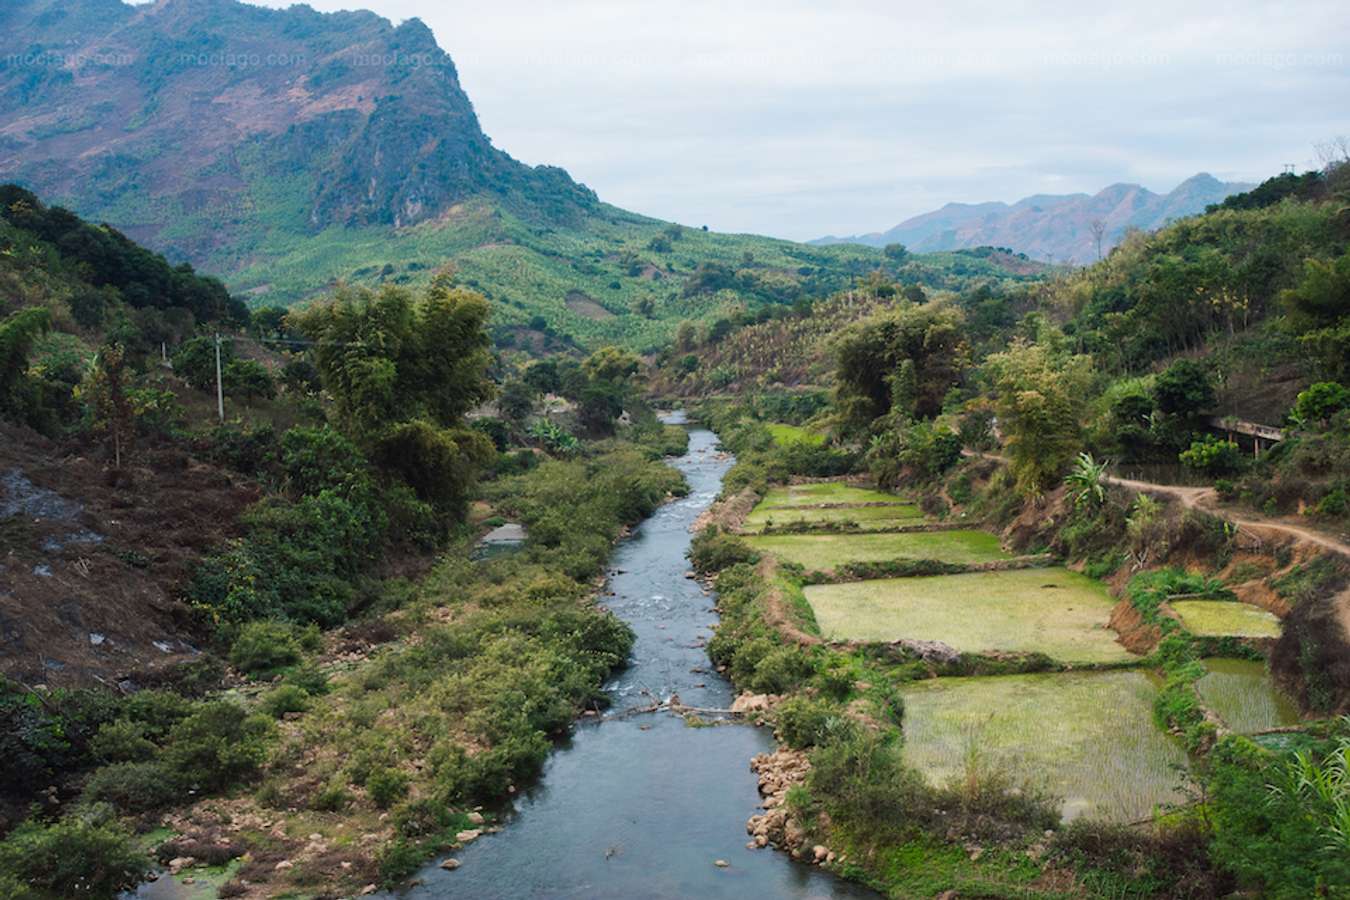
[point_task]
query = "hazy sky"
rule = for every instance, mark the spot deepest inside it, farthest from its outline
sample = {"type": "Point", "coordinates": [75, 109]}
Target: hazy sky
{"type": "Point", "coordinates": [799, 119]}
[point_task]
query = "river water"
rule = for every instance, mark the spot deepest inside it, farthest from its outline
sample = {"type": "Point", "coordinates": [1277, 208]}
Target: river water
{"type": "Point", "coordinates": [641, 806]}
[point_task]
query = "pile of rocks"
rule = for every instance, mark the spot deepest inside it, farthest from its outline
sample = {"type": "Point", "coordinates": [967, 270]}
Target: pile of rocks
{"type": "Point", "coordinates": [777, 827]}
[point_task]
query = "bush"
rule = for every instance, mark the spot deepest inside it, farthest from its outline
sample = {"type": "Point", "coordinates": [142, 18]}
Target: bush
{"type": "Point", "coordinates": [218, 745]}
{"type": "Point", "coordinates": [1213, 456]}
{"type": "Point", "coordinates": [287, 698]}
{"type": "Point", "coordinates": [803, 723]}
{"type": "Point", "coordinates": [71, 858]}
{"type": "Point", "coordinates": [712, 551]}
{"type": "Point", "coordinates": [387, 786]}
{"type": "Point", "coordinates": [1320, 403]}
{"type": "Point", "coordinates": [332, 797]}
{"type": "Point", "coordinates": [265, 646]}
{"type": "Point", "coordinates": [320, 459]}
{"type": "Point", "coordinates": [134, 786]}
{"type": "Point", "coordinates": [780, 670]}
{"type": "Point", "coordinates": [122, 741]}
{"type": "Point", "coordinates": [248, 380]}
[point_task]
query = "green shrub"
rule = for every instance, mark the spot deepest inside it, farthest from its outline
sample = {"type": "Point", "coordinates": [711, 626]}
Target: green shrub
{"type": "Point", "coordinates": [217, 746]}
{"type": "Point", "coordinates": [387, 786]}
{"type": "Point", "coordinates": [712, 551]}
{"type": "Point", "coordinates": [265, 646]}
{"type": "Point", "coordinates": [248, 380]}
{"type": "Point", "coordinates": [780, 670]}
{"type": "Point", "coordinates": [1213, 455]}
{"type": "Point", "coordinates": [286, 698]}
{"type": "Point", "coordinates": [332, 797]}
{"type": "Point", "coordinates": [72, 858]}
{"type": "Point", "coordinates": [803, 723]}
{"type": "Point", "coordinates": [134, 786]}
{"type": "Point", "coordinates": [398, 860]}
{"type": "Point", "coordinates": [122, 741]}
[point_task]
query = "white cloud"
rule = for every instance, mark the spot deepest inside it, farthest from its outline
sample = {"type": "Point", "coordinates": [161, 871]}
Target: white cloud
{"type": "Point", "coordinates": [799, 119]}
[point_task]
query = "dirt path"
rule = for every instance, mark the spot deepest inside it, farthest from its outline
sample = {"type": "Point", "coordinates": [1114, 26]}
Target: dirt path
{"type": "Point", "coordinates": [1206, 499]}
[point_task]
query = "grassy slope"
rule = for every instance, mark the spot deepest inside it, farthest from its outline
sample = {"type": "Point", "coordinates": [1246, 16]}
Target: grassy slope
{"type": "Point", "coordinates": [526, 268]}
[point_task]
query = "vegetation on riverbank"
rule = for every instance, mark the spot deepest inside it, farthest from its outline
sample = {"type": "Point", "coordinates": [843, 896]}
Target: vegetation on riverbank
{"type": "Point", "coordinates": [366, 685]}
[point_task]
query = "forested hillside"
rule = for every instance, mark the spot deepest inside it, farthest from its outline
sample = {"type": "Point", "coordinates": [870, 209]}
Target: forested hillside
{"type": "Point", "coordinates": [1028, 619]}
{"type": "Point", "coordinates": [188, 607]}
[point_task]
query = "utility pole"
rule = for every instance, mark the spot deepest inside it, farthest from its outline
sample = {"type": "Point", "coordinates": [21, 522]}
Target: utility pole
{"type": "Point", "coordinates": [220, 387]}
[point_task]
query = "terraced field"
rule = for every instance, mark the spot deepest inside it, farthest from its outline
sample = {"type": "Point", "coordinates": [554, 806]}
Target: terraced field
{"type": "Point", "coordinates": [822, 552]}
{"type": "Point", "coordinates": [1053, 611]}
{"type": "Point", "coordinates": [826, 492]}
{"type": "Point", "coordinates": [785, 435]}
{"type": "Point", "coordinates": [1224, 618]}
{"type": "Point", "coordinates": [1085, 738]}
{"type": "Point", "coordinates": [867, 517]}
{"type": "Point", "coordinates": [1241, 692]}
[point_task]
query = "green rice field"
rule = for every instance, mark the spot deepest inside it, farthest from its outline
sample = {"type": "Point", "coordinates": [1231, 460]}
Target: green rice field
{"type": "Point", "coordinates": [1241, 692]}
{"type": "Point", "coordinates": [826, 492]}
{"type": "Point", "coordinates": [1053, 611]}
{"type": "Point", "coordinates": [1086, 738]}
{"type": "Point", "coordinates": [785, 435]}
{"type": "Point", "coordinates": [867, 517]}
{"type": "Point", "coordinates": [1223, 618]}
{"type": "Point", "coordinates": [822, 552]}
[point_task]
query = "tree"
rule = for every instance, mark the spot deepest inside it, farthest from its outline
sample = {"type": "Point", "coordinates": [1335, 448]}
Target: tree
{"type": "Point", "coordinates": [1039, 398]}
{"type": "Point", "coordinates": [18, 333]}
{"type": "Point", "coordinates": [388, 357]}
{"type": "Point", "coordinates": [686, 336]}
{"type": "Point", "coordinates": [104, 395]}
{"type": "Point", "coordinates": [195, 361]}
{"type": "Point", "coordinates": [1184, 389]}
{"type": "Point", "coordinates": [249, 380]}
{"type": "Point", "coordinates": [543, 376]}
{"type": "Point", "coordinates": [516, 401]}
{"type": "Point", "coordinates": [896, 253]}
{"type": "Point", "coordinates": [1320, 402]}
{"type": "Point", "coordinates": [611, 364]}
{"type": "Point", "coordinates": [903, 360]}
{"type": "Point", "coordinates": [1323, 294]}
{"type": "Point", "coordinates": [403, 372]}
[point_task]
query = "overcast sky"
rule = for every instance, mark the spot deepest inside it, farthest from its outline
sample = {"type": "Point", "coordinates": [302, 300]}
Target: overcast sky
{"type": "Point", "coordinates": [799, 119]}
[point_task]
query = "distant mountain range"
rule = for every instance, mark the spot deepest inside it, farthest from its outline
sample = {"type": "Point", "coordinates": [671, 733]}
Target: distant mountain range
{"type": "Point", "coordinates": [1048, 226]}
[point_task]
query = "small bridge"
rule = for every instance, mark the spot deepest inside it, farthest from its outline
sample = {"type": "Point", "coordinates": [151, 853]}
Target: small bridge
{"type": "Point", "coordinates": [1254, 430]}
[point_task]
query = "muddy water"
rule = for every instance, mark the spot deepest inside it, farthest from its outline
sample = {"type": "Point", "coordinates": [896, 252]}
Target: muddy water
{"type": "Point", "coordinates": [643, 805]}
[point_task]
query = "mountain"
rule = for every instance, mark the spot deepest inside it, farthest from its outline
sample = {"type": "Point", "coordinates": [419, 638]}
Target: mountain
{"type": "Point", "coordinates": [287, 150]}
{"type": "Point", "coordinates": [1058, 227]}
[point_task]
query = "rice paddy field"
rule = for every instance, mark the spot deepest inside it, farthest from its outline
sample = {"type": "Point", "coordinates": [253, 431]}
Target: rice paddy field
{"type": "Point", "coordinates": [867, 517]}
{"type": "Point", "coordinates": [826, 492]}
{"type": "Point", "coordinates": [1086, 738]}
{"type": "Point", "coordinates": [784, 435]}
{"type": "Point", "coordinates": [1053, 611]}
{"type": "Point", "coordinates": [821, 552]}
{"type": "Point", "coordinates": [1223, 618]}
{"type": "Point", "coordinates": [1241, 692]}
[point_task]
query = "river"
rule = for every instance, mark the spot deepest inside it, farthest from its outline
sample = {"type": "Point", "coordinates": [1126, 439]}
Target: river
{"type": "Point", "coordinates": [642, 806]}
